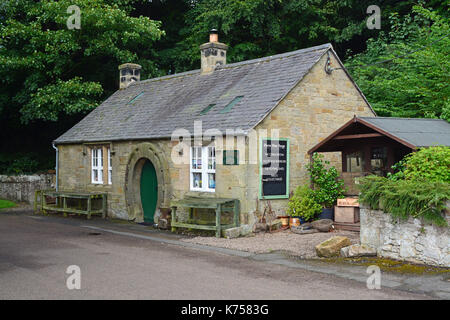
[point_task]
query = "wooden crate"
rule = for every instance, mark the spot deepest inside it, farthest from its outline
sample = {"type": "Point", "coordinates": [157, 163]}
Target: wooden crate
{"type": "Point", "coordinates": [346, 214]}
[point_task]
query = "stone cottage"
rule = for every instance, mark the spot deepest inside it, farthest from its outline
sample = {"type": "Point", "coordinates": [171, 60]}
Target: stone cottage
{"type": "Point", "coordinates": [213, 132]}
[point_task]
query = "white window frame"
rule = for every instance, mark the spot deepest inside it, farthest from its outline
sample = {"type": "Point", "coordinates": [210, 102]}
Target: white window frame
{"type": "Point", "coordinates": [97, 164]}
{"type": "Point", "coordinates": [204, 171]}
{"type": "Point", "coordinates": [109, 167]}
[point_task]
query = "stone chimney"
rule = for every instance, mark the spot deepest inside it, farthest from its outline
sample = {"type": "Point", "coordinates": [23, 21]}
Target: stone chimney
{"type": "Point", "coordinates": [129, 72]}
{"type": "Point", "coordinates": [213, 53]}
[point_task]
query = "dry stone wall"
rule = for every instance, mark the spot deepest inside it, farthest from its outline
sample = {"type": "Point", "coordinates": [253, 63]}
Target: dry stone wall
{"type": "Point", "coordinates": [411, 240]}
{"type": "Point", "coordinates": [21, 188]}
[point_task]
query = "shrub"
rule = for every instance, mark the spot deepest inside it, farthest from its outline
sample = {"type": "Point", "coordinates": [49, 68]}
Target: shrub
{"type": "Point", "coordinates": [24, 163]}
{"type": "Point", "coordinates": [405, 198]}
{"type": "Point", "coordinates": [432, 164]}
{"type": "Point", "coordinates": [327, 185]}
{"type": "Point", "coordinates": [304, 204]}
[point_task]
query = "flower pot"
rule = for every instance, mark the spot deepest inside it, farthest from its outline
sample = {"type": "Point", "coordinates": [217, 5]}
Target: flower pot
{"type": "Point", "coordinates": [294, 222]}
{"type": "Point", "coordinates": [302, 220]}
{"type": "Point", "coordinates": [284, 221]}
{"type": "Point", "coordinates": [327, 213]}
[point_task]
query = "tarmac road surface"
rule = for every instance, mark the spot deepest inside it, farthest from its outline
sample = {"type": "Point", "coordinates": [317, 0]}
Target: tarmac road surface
{"type": "Point", "coordinates": [36, 251]}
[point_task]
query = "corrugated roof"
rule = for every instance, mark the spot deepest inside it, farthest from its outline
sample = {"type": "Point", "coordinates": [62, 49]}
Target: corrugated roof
{"type": "Point", "coordinates": [176, 101]}
{"type": "Point", "coordinates": [417, 132]}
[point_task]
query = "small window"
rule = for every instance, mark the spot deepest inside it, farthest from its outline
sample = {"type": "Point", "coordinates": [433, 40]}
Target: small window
{"type": "Point", "coordinates": [97, 166]}
{"type": "Point", "coordinates": [231, 157]}
{"type": "Point", "coordinates": [203, 169]}
{"type": "Point", "coordinates": [206, 110]}
{"type": "Point", "coordinates": [355, 162]}
{"type": "Point", "coordinates": [230, 106]}
{"type": "Point", "coordinates": [135, 98]}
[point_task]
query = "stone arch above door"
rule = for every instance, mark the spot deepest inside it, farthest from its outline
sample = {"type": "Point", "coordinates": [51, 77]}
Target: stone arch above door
{"type": "Point", "coordinates": [139, 154]}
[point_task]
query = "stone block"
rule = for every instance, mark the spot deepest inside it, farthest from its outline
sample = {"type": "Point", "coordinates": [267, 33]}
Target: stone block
{"type": "Point", "coordinates": [323, 225]}
{"type": "Point", "coordinates": [358, 250]}
{"type": "Point", "coordinates": [246, 229]}
{"type": "Point", "coordinates": [232, 233]}
{"type": "Point", "coordinates": [332, 246]}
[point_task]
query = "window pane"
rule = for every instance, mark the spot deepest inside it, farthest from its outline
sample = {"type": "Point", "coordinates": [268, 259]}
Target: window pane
{"type": "Point", "coordinates": [211, 180]}
{"type": "Point", "coordinates": [197, 180]}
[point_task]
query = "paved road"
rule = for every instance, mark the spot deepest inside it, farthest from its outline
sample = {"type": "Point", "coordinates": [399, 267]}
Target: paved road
{"type": "Point", "coordinates": [36, 251]}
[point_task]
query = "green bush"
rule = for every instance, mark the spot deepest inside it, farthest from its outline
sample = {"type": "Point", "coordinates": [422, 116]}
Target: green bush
{"type": "Point", "coordinates": [405, 198]}
{"type": "Point", "coordinates": [327, 185]}
{"type": "Point", "coordinates": [24, 163]}
{"type": "Point", "coordinates": [304, 204]}
{"type": "Point", "coordinates": [432, 164]}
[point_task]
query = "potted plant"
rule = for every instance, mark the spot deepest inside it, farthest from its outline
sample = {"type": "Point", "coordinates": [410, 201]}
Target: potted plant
{"type": "Point", "coordinates": [327, 185]}
{"type": "Point", "coordinates": [303, 204]}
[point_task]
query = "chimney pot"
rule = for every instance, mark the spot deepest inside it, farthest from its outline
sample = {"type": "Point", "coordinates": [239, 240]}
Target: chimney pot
{"type": "Point", "coordinates": [214, 35]}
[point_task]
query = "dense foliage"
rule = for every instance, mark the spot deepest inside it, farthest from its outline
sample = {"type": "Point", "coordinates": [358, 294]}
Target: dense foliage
{"type": "Point", "coordinates": [327, 185]}
{"type": "Point", "coordinates": [48, 69]}
{"type": "Point", "coordinates": [52, 76]}
{"type": "Point", "coordinates": [406, 198]}
{"type": "Point", "coordinates": [417, 83]}
{"type": "Point", "coordinates": [430, 164]}
{"type": "Point", "coordinates": [304, 204]}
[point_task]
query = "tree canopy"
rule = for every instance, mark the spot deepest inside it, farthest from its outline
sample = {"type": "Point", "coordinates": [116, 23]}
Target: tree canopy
{"type": "Point", "coordinates": [414, 79]}
{"type": "Point", "coordinates": [51, 76]}
{"type": "Point", "coordinates": [48, 69]}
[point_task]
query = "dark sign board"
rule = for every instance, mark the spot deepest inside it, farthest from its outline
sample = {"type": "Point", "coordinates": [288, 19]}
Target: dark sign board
{"type": "Point", "coordinates": [274, 169]}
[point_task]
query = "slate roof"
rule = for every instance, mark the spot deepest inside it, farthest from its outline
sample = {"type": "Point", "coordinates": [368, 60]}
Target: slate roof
{"type": "Point", "coordinates": [164, 104]}
{"type": "Point", "coordinates": [417, 132]}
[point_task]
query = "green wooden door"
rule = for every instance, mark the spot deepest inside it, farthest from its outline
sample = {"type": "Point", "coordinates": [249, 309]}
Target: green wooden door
{"type": "Point", "coordinates": [149, 191]}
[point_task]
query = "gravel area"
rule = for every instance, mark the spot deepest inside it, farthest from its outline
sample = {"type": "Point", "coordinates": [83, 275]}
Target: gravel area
{"type": "Point", "coordinates": [299, 245]}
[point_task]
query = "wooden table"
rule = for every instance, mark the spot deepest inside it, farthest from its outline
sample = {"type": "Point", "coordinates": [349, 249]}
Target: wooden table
{"type": "Point", "coordinates": [219, 205]}
{"type": "Point", "coordinates": [61, 202]}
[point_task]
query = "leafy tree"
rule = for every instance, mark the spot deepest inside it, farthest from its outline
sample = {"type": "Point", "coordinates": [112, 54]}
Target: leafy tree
{"type": "Point", "coordinates": [414, 82]}
{"type": "Point", "coordinates": [258, 28]}
{"type": "Point", "coordinates": [48, 70]}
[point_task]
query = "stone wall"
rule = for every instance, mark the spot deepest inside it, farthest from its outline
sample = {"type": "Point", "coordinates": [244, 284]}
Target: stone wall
{"type": "Point", "coordinates": [22, 188]}
{"type": "Point", "coordinates": [411, 240]}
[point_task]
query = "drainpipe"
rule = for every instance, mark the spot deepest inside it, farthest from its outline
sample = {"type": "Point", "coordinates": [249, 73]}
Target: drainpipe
{"type": "Point", "coordinates": [57, 157]}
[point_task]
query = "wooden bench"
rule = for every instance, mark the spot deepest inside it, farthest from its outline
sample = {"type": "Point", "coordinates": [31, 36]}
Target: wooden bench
{"type": "Point", "coordinates": [42, 203]}
{"type": "Point", "coordinates": [219, 206]}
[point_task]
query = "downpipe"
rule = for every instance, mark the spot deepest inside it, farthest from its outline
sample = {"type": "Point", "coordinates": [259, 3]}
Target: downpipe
{"type": "Point", "coordinates": [57, 165]}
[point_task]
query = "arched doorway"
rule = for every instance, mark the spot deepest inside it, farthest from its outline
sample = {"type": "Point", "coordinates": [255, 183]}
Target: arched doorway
{"type": "Point", "coordinates": [147, 182]}
{"type": "Point", "coordinates": [149, 191]}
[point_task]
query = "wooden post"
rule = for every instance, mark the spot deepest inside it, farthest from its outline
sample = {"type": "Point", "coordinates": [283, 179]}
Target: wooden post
{"type": "Point", "coordinates": [89, 204]}
{"type": "Point", "coordinates": [44, 203]}
{"type": "Point", "coordinates": [105, 205]}
{"type": "Point", "coordinates": [236, 213]}
{"type": "Point", "coordinates": [218, 228]}
{"type": "Point", "coordinates": [65, 206]}
{"type": "Point", "coordinates": [174, 218]}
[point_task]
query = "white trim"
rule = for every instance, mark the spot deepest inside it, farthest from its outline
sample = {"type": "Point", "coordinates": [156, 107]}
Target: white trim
{"type": "Point", "coordinates": [109, 167]}
{"type": "Point", "coordinates": [97, 165]}
{"type": "Point", "coordinates": [204, 171]}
